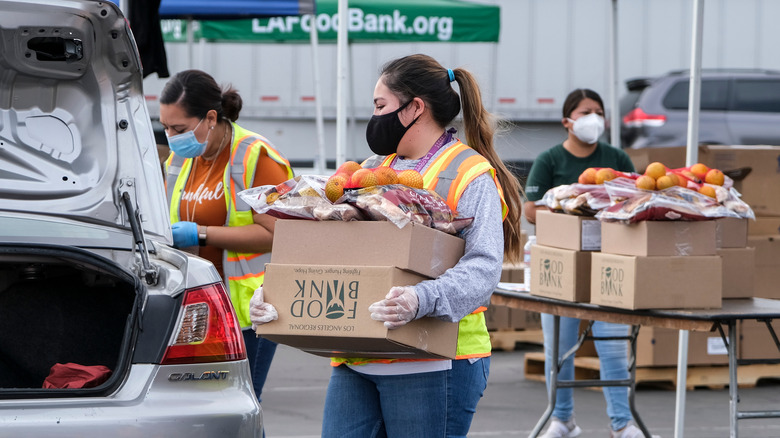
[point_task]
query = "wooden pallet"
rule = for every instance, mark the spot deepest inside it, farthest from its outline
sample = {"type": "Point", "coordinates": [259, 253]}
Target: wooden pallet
{"type": "Point", "coordinates": [713, 376]}
{"type": "Point", "coordinates": [507, 339]}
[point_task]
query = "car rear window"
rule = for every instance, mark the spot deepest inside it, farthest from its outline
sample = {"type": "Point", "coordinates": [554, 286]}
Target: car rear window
{"type": "Point", "coordinates": [757, 95]}
{"type": "Point", "coordinates": [714, 95]}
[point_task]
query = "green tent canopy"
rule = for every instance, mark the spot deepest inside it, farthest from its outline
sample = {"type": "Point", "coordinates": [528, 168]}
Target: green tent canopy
{"type": "Point", "coordinates": [369, 21]}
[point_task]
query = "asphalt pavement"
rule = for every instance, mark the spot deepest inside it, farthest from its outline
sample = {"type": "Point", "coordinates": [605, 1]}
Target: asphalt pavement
{"type": "Point", "coordinates": [294, 396]}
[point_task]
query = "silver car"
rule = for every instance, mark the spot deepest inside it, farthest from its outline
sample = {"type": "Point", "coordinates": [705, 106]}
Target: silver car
{"type": "Point", "coordinates": [105, 329]}
{"type": "Point", "coordinates": [738, 107]}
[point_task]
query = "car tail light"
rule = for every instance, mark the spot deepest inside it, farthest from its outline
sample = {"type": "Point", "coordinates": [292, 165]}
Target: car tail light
{"type": "Point", "coordinates": [638, 118]}
{"type": "Point", "coordinates": [208, 330]}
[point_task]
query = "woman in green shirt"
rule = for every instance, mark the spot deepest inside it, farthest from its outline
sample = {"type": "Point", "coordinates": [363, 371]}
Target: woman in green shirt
{"type": "Point", "coordinates": [583, 118]}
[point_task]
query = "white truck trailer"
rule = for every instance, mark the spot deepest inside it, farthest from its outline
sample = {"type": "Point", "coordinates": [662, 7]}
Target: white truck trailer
{"type": "Point", "coordinates": [545, 49]}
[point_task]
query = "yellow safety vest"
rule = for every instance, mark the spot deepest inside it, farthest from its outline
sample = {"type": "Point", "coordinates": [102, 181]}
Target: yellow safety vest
{"type": "Point", "coordinates": [244, 272]}
{"type": "Point", "coordinates": [449, 175]}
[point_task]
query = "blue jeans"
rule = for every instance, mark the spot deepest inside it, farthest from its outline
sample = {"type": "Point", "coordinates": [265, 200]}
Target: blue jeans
{"type": "Point", "coordinates": [465, 384]}
{"type": "Point", "coordinates": [613, 358]}
{"type": "Point", "coordinates": [260, 353]}
{"type": "Point", "coordinates": [370, 406]}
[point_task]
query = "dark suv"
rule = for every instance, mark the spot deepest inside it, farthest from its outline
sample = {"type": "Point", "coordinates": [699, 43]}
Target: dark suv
{"type": "Point", "coordinates": [738, 107]}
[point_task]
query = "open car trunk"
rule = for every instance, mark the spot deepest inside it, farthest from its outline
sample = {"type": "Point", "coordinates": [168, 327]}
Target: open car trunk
{"type": "Point", "coordinates": [63, 305]}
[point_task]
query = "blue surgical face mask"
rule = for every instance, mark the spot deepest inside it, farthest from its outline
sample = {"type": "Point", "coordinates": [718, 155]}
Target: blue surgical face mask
{"type": "Point", "coordinates": [186, 145]}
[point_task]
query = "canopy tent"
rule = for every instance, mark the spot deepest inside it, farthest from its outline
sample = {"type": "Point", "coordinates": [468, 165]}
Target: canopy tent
{"type": "Point", "coordinates": [369, 21]}
{"type": "Point", "coordinates": [225, 9]}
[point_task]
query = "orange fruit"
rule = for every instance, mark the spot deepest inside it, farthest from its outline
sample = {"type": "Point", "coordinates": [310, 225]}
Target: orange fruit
{"type": "Point", "coordinates": [385, 175]}
{"type": "Point", "coordinates": [410, 178]}
{"type": "Point", "coordinates": [363, 178]}
{"type": "Point", "coordinates": [709, 191]}
{"type": "Point", "coordinates": [714, 177]}
{"type": "Point", "coordinates": [334, 187]}
{"type": "Point", "coordinates": [645, 182]}
{"type": "Point", "coordinates": [655, 170]}
{"type": "Point", "coordinates": [605, 174]}
{"type": "Point", "coordinates": [676, 178]}
{"type": "Point", "coordinates": [699, 170]}
{"type": "Point", "coordinates": [588, 176]}
{"type": "Point", "coordinates": [348, 167]}
{"type": "Point", "coordinates": [690, 176]}
{"type": "Point", "coordinates": [666, 181]}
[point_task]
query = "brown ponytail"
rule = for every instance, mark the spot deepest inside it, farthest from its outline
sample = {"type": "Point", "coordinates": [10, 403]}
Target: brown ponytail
{"type": "Point", "coordinates": [480, 128]}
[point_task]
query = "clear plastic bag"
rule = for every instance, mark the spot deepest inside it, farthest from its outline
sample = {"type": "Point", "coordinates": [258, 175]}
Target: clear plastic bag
{"type": "Point", "coordinates": [630, 204]}
{"type": "Point", "coordinates": [303, 197]}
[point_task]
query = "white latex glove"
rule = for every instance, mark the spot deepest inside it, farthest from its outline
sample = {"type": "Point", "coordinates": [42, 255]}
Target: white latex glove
{"type": "Point", "coordinates": [398, 308]}
{"type": "Point", "coordinates": [260, 312]}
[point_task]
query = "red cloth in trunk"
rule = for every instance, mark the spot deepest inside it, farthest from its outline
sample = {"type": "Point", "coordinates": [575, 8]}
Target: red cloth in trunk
{"type": "Point", "coordinates": [73, 375]}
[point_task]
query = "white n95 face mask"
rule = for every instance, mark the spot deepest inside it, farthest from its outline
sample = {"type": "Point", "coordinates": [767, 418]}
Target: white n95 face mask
{"type": "Point", "coordinates": [588, 128]}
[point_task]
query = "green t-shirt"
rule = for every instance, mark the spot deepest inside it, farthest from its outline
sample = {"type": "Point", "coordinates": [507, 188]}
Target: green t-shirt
{"type": "Point", "coordinates": [557, 166]}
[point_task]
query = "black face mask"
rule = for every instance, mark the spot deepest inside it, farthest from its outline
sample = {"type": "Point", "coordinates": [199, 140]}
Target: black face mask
{"type": "Point", "coordinates": [384, 132]}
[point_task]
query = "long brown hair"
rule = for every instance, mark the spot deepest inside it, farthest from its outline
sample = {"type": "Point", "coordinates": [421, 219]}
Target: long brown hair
{"type": "Point", "coordinates": [422, 76]}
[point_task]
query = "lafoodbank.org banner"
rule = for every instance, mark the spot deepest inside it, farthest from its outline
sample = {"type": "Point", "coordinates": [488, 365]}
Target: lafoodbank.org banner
{"type": "Point", "coordinates": [359, 22]}
{"type": "Point", "coordinates": [364, 24]}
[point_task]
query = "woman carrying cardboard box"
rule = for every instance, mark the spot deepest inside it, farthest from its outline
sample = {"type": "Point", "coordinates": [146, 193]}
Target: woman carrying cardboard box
{"type": "Point", "coordinates": [414, 103]}
{"type": "Point", "coordinates": [583, 118]}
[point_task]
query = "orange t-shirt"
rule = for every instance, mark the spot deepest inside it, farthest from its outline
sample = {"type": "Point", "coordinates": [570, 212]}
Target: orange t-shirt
{"type": "Point", "coordinates": [203, 198]}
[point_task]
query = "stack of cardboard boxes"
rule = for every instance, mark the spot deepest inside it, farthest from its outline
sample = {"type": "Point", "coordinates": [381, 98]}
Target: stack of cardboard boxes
{"type": "Point", "coordinates": [756, 174]}
{"type": "Point", "coordinates": [561, 258]}
{"type": "Point", "coordinates": [647, 265]}
{"type": "Point", "coordinates": [752, 268]}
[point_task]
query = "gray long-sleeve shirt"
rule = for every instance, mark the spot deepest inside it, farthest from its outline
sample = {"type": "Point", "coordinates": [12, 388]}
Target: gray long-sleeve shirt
{"type": "Point", "coordinates": [469, 284]}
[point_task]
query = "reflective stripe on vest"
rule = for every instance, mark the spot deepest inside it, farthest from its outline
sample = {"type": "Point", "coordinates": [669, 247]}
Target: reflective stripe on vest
{"type": "Point", "coordinates": [243, 272]}
{"type": "Point", "coordinates": [449, 175]}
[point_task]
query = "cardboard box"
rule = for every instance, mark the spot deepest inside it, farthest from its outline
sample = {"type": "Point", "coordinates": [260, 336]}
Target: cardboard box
{"type": "Point", "coordinates": [731, 232]}
{"type": "Point", "coordinates": [659, 238]}
{"type": "Point", "coordinates": [520, 319]}
{"type": "Point", "coordinates": [764, 225]}
{"type": "Point", "coordinates": [678, 282]}
{"type": "Point", "coordinates": [656, 346]}
{"type": "Point", "coordinates": [558, 273]}
{"type": "Point", "coordinates": [414, 247]}
{"type": "Point", "coordinates": [508, 318]}
{"type": "Point", "coordinates": [762, 180]}
{"type": "Point", "coordinates": [323, 310]}
{"type": "Point", "coordinates": [497, 317]}
{"type": "Point", "coordinates": [568, 231]}
{"type": "Point", "coordinates": [767, 278]}
{"type": "Point", "coordinates": [513, 273]}
{"type": "Point", "coordinates": [755, 341]}
{"type": "Point", "coordinates": [739, 269]}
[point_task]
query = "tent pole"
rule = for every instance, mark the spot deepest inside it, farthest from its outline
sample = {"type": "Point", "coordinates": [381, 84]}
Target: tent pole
{"type": "Point", "coordinates": [190, 42]}
{"type": "Point", "coordinates": [694, 90]}
{"type": "Point", "coordinates": [691, 157]}
{"type": "Point", "coordinates": [614, 126]}
{"type": "Point", "coordinates": [319, 163]}
{"type": "Point", "coordinates": [341, 85]}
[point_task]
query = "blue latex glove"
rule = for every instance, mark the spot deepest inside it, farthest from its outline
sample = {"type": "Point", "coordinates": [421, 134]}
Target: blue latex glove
{"type": "Point", "coordinates": [185, 234]}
